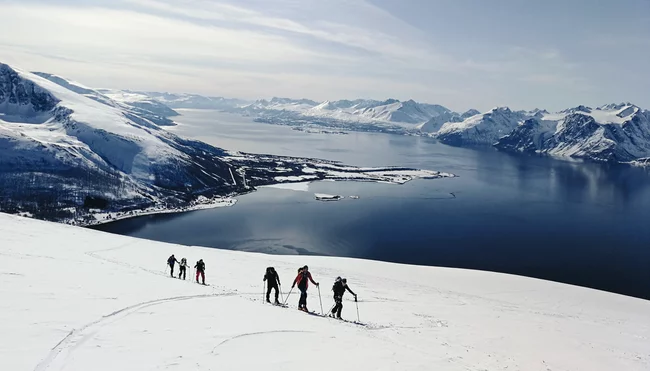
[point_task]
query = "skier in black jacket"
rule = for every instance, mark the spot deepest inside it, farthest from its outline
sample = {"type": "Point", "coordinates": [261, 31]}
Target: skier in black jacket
{"type": "Point", "coordinates": [273, 281]}
{"type": "Point", "coordinates": [340, 285]}
{"type": "Point", "coordinates": [200, 270]}
{"type": "Point", "coordinates": [171, 261]}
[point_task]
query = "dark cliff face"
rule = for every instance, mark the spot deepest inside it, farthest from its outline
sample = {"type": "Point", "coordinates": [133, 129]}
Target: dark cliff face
{"type": "Point", "coordinates": [528, 137]}
{"type": "Point", "coordinates": [17, 92]}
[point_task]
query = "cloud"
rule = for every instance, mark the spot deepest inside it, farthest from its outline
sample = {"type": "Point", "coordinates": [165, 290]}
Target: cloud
{"type": "Point", "coordinates": [258, 48]}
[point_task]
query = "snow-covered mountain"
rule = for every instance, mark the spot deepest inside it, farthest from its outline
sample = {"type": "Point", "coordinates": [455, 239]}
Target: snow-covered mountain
{"type": "Point", "coordinates": [195, 101]}
{"type": "Point", "coordinates": [78, 299]}
{"type": "Point", "coordinates": [279, 104]}
{"type": "Point", "coordinates": [390, 111]}
{"type": "Point", "coordinates": [65, 149]}
{"type": "Point", "coordinates": [481, 129]}
{"type": "Point", "coordinates": [436, 122]}
{"type": "Point", "coordinates": [137, 104]}
{"type": "Point", "coordinates": [611, 133]}
{"type": "Point", "coordinates": [523, 131]}
{"type": "Point", "coordinates": [139, 100]}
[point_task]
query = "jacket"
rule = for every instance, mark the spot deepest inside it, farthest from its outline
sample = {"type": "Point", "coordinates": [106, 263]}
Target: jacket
{"type": "Point", "coordinates": [272, 277]}
{"type": "Point", "coordinates": [302, 280]}
{"type": "Point", "coordinates": [339, 289]}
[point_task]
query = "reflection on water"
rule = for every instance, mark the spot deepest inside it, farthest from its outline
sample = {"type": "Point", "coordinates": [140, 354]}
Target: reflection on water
{"type": "Point", "coordinates": [585, 224]}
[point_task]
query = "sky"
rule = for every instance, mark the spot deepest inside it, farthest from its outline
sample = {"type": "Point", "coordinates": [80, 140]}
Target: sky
{"type": "Point", "coordinates": [463, 54]}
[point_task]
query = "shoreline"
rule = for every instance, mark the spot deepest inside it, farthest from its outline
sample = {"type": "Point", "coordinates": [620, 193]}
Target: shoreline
{"type": "Point", "coordinates": [228, 201]}
{"type": "Point", "coordinates": [213, 204]}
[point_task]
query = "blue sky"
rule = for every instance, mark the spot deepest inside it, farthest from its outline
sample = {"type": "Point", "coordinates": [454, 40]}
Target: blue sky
{"type": "Point", "coordinates": [460, 53]}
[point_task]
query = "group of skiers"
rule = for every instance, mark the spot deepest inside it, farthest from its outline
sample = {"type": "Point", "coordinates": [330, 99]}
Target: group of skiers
{"type": "Point", "coordinates": [302, 281]}
{"type": "Point", "coordinates": [182, 268]}
{"type": "Point", "coordinates": [272, 279]}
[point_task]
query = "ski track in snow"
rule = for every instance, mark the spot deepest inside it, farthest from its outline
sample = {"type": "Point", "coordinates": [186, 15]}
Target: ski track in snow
{"type": "Point", "coordinates": [57, 357]}
{"type": "Point", "coordinates": [55, 360]}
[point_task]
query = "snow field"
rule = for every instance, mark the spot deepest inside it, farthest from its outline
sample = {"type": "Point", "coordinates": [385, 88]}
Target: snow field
{"type": "Point", "coordinates": [77, 299]}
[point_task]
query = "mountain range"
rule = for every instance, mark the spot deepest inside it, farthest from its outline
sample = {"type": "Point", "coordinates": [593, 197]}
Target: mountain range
{"type": "Point", "coordinates": [617, 133]}
{"type": "Point", "coordinates": [80, 155]}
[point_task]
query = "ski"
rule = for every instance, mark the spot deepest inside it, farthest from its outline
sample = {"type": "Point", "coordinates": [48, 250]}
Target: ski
{"type": "Point", "coordinates": [334, 318]}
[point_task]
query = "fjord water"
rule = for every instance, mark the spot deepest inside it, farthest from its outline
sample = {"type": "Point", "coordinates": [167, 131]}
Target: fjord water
{"type": "Point", "coordinates": [580, 223]}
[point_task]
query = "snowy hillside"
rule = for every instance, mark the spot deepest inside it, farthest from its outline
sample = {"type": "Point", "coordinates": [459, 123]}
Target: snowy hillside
{"type": "Point", "coordinates": [139, 100]}
{"type": "Point", "coordinates": [611, 133]}
{"type": "Point", "coordinates": [481, 129]}
{"type": "Point", "coordinates": [136, 104]}
{"type": "Point", "coordinates": [76, 299]}
{"type": "Point", "coordinates": [66, 149]}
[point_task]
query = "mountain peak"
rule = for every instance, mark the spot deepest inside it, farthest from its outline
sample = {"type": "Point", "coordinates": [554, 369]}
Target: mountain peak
{"type": "Point", "coordinates": [615, 106]}
{"type": "Point", "coordinates": [577, 109]}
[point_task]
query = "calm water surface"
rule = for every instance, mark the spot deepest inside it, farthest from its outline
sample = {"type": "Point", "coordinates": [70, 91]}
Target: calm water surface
{"type": "Point", "coordinates": [584, 224]}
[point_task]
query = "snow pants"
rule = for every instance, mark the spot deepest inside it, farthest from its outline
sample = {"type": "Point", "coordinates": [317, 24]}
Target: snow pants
{"type": "Point", "coordinates": [268, 292]}
{"type": "Point", "coordinates": [171, 265]}
{"type": "Point", "coordinates": [202, 274]}
{"type": "Point", "coordinates": [182, 272]}
{"type": "Point", "coordinates": [338, 306]}
{"type": "Point", "coordinates": [302, 303]}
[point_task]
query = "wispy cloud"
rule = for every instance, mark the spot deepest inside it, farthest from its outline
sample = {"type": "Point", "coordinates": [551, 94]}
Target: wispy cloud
{"type": "Point", "coordinates": [313, 48]}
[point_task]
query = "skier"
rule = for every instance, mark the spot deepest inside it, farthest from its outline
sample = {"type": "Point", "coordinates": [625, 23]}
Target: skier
{"type": "Point", "coordinates": [273, 280]}
{"type": "Point", "coordinates": [200, 270]}
{"type": "Point", "coordinates": [340, 285]}
{"type": "Point", "coordinates": [171, 261]}
{"type": "Point", "coordinates": [302, 281]}
{"type": "Point", "coordinates": [182, 267]}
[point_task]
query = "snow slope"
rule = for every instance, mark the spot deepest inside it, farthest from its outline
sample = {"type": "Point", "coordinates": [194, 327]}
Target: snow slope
{"type": "Point", "coordinates": [611, 133]}
{"type": "Point", "coordinates": [139, 100]}
{"type": "Point", "coordinates": [64, 146]}
{"type": "Point", "coordinates": [77, 299]}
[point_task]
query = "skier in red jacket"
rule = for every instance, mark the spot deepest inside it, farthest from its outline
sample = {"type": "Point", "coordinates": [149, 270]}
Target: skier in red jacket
{"type": "Point", "coordinates": [302, 280]}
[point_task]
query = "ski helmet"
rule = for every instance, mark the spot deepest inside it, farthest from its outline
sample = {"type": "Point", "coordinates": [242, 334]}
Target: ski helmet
{"type": "Point", "coordinates": [344, 280]}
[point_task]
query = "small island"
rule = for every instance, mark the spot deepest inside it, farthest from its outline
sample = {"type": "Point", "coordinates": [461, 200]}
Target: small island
{"type": "Point", "coordinates": [326, 197]}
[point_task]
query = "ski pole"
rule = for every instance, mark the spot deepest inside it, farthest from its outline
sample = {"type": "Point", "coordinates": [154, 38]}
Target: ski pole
{"type": "Point", "coordinates": [289, 294]}
{"type": "Point", "coordinates": [263, 289]}
{"type": "Point", "coordinates": [321, 301]}
{"type": "Point", "coordinates": [357, 303]}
